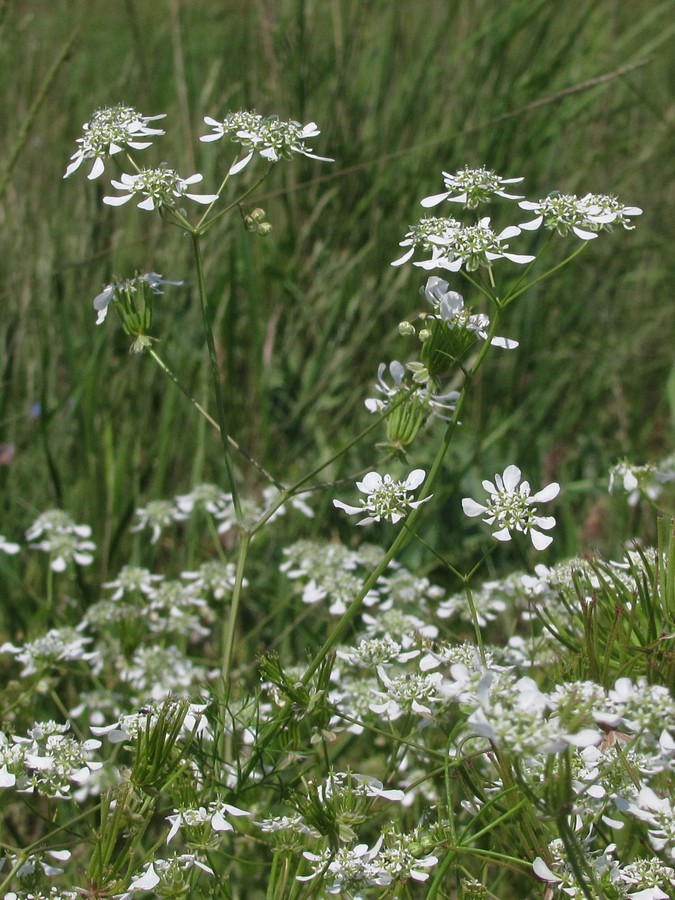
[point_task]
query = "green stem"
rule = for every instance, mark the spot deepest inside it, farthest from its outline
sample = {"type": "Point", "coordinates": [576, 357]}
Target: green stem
{"type": "Point", "coordinates": [404, 534]}
{"type": "Point", "coordinates": [476, 623]}
{"type": "Point", "coordinates": [231, 623]}
{"type": "Point", "coordinates": [541, 277]}
{"type": "Point", "coordinates": [215, 375]}
{"type": "Point", "coordinates": [197, 405]}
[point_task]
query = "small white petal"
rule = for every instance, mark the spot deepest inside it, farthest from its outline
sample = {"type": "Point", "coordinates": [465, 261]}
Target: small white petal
{"type": "Point", "coordinates": [534, 223]}
{"type": "Point", "coordinates": [511, 477]}
{"type": "Point", "coordinates": [548, 493]}
{"type": "Point", "coordinates": [241, 164]}
{"type": "Point", "coordinates": [371, 482]}
{"type": "Point", "coordinates": [117, 201]}
{"type": "Point", "coordinates": [542, 871]}
{"type": "Point", "coordinates": [584, 235]}
{"type": "Point", "coordinates": [97, 169]}
{"type": "Point", "coordinates": [504, 343]}
{"type": "Point", "coordinates": [403, 259]}
{"type": "Point", "coordinates": [352, 510]}
{"type": "Point", "coordinates": [434, 200]}
{"type": "Point", "coordinates": [471, 508]}
{"type": "Point", "coordinates": [415, 479]}
{"type": "Point", "coordinates": [203, 198]}
{"type": "Point", "coordinates": [502, 535]}
{"type": "Point", "coordinates": [540, 541]}
{"type": "Point", "coordinates": [146, 882]}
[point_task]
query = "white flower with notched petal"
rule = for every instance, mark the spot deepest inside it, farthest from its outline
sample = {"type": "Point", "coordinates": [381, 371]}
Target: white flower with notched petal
{"type": "Point", "coordinates": [584, 216]}
{"type": "Point", "coordinates": [472, 187]}
{"type": "Point", "coordinates": [157, 187]}
{"type": "Point", "coordinates": [511, 507]}
{"type": "Point", "coordinates": [273, 138]}
{"type": "Point", "coordinates": [453, 245]}
{"type": "Point", "coordinates": [386, 498]}
{"type": "Point", "coordinates": [109, 132]}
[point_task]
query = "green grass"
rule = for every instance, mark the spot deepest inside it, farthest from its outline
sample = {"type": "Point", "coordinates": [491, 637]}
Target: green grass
{"type": "Point", "coordinates": [576, 98]}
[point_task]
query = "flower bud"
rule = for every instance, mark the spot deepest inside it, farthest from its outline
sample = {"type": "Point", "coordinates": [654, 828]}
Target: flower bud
{"type": "Point", "coordinates": [405, 329]}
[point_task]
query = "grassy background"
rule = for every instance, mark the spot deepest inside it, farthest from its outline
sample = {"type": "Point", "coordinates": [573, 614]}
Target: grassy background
{"type": "Point", "coordinates": [575, 97]}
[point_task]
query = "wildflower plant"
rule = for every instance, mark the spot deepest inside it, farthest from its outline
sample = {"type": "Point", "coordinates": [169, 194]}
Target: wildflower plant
{"type": "Point", "coordinates": [365, 731]}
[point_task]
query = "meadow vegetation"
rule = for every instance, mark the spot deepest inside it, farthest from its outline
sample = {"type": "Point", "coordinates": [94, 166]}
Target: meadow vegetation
{"type": "Point", "coordinates": [214, 683]}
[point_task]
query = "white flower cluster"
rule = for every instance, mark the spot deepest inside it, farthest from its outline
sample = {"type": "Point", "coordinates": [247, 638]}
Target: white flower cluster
{"type": "Point", "coordinates": [108, 132]}
{"type": "Point", "coordinates": [350, 870]}
{"type": "Point", "coordinates": [57, 646]}
{"type": "Point", "coordinates": [439, 405]}
{"type": "Point", "coordinates": [209, 498]}
{"type": "Point", "coordinates": [62, 538]}
{"type": "Point", "coordinates": [449, 308]}
{"type": "Point", "coordinates": [453, 245]}
{"type": "Point", "coordinates": [273, 138]}
{"type": "Point", "coordinates": [584, 216]}
{"type": "Point", "coordinates": [157, 187]}
{"type": "Point", "coordinates": [642, 481]}
{"type": "Point", "coordinates": [118, 128]}
{"type": "Point", "coordinates": [48, 761]}
{"type": "Point", "coordinates": [511, 508]}
{"type": "Point", "coordinates": [385, 498]}
{"type": "Point", "coordinates": [471, 187]}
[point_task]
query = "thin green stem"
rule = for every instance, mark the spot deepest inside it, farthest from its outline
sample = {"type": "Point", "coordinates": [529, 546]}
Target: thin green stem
{"type": "Point", "coordinates": [231, 623]}
{"type": "Point", "coordinates": [568, 259]}
{"type": "Point", "coordinates": [215, 375]}
{"type": "Point", "coordinates": [476, 623]}
{"type": "Point", "coordinates": [197, 405]}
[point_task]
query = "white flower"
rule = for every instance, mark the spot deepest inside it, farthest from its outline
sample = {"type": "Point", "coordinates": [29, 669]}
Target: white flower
{"type": "Point", "coordinates": [585, 216]}
{"type": "Point", "coordinates": [63, 539]}
{"type": "Point", "coordinates": [472, 187]}
{"type": "Point", "coordinates": [157, 187]}
{"type": "Point", "coordinates": [124, 291]}
{"type": "Point", "coordinates": [51, 649]}
{"type": "Point", "coordinates": [158, 514]}
{"type": "Point", "coordinates": [453, 245]}
{"type": "Point", "coordinates": [7, 546]}
{"type": "Point", "coordinates": [512, 507]}
{"type": "Point", "coordinates": [273, 138]}
{"type": "Point", "coordinates": [387, 499]}
{"type": "Point", "coordinates": [214, 815]}
{"type": "Point", "coordinates": [108, 132]}
{"type": "Point", "coordinates": [449, 306]}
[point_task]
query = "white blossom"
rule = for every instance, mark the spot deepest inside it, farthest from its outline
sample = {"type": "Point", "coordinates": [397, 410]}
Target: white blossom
{"type": "Point", "coordinates": [157, 187]}
{"type": "Point", "coordinates": [511, 507]}
{"type": "Point", "coordinates": [108, 132]}
{"type": "Point", "coordinates": [386, 498]}
{"type": "Point", "coordinates": [271, 137]}
{"type": "Point", "coordinates": [583, 216]}
{"type": "Point", "coordinates": [471, 187]}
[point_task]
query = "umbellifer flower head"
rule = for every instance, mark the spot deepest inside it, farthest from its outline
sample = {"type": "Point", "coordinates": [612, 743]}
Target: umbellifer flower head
{"type": "Point", "coordinates": [472, 187]}
{"type": "Point", "coordinates": [584, 216]}
{"type": "Point", "coordinates": [511, 507]}
{"type": "Point", "coordinates": [271, 136]}
{"type": "Point", "coordinates": [386, 498]}
{"type": "Point", "coordinates": [108, 132]}
{"type": "Point", "coordinates": [453, 245]}
{"type": "Point", "coordinates": [157, 187]}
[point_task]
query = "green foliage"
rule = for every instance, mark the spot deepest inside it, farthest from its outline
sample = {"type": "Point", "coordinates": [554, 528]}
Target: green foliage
{"type": "Point", "coordinates": [575, 99]}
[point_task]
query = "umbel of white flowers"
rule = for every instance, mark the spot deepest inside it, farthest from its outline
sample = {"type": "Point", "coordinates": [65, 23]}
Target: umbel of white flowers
{"type": "Point", "coordinates": [511, 508]}
{"type": "Point", "coordinates": [386, 498]}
